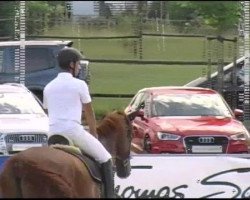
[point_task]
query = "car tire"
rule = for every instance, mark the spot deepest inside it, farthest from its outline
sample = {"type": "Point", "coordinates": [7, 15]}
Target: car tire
{"type": "Point", "coordinates": [147, 144]}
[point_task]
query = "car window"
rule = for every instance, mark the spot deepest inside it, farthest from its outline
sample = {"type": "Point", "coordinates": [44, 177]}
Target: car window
{"type": "Point", "coordinates": [19, 103]}
{"type": "Point", "coordinates": [140, 97]}
{"type": "Point", "coordinates": [1, 60]}
{"type": "Point", "coordinates": [8, 60]}
{"type": "Point", "coordinates": [39, 59]}
{"type": "Point", "coordinates": [36, 58]}
{"type": "Point", "coordinates": [189, 105]}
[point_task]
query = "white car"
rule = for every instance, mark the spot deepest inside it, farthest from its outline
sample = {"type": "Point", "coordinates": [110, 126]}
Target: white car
{"type": "Point", "coordinates": [23, 122]}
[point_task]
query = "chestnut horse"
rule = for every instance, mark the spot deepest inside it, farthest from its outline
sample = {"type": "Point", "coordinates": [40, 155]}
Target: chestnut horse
{"type": "Point", "coordinates": [46, 172]}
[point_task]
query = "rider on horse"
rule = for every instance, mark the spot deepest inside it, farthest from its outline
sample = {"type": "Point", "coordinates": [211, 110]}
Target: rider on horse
{"type": "Point", "coordinates": [66, 97]}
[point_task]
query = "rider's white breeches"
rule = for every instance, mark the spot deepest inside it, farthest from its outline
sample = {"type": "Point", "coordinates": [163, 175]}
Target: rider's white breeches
{"type": "Point", "coordinates": [86, 142]}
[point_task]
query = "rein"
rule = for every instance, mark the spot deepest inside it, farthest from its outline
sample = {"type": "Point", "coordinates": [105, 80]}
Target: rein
{"type": "Point", "coordinates": [125, 161]}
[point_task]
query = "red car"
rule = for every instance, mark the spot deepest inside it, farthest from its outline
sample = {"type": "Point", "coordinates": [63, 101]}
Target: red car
{"type": "Point", "coordinates": [186, 120]}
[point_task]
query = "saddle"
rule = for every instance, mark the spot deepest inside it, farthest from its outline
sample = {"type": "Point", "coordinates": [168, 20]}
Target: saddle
{"type": "Point", "coordinates": [93, 167]}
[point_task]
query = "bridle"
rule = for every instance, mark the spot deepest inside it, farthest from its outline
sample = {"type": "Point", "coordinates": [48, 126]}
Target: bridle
{"type": "Point", "coordinates": [126, 161]}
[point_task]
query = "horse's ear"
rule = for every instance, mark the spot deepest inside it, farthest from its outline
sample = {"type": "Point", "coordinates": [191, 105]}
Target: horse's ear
{"type": "Point", "coordinates": [120, 112]}
{"type": "Point", "coordinates": [103, 116]}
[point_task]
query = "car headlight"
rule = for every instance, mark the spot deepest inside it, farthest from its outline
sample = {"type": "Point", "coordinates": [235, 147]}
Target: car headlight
{"type": "Point", "coordinates": [167, 136]}
{"type": "Point", "coordinates": [2, 138]}
{"type": "Point", "coordinates": [239, 136]}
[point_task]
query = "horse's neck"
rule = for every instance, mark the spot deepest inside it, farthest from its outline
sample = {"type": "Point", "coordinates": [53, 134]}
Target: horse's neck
{"type": "Point", "coordinates": [107, 140]}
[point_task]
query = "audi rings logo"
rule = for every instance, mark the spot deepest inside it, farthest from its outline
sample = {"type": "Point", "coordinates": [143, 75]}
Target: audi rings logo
{"type": "Point", "coordinates": [206, 140]}
{"type": "Point", "coordinates": [26, 138]}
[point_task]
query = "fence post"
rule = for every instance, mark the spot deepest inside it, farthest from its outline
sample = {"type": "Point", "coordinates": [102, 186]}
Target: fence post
{"type": "Point", "coordinates": [220, 76]}
{"type": "Point", "coordinates": [209, 64]}
{"type": "Point", "coordinates": [246, 64]}
{"type": "Point", "coordinates": [140, 9]}
{"type": "Point", "coordinates": [20, 35]}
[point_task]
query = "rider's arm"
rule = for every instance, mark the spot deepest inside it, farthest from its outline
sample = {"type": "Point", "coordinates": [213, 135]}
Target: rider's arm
{"type": "Point", "coordinates": [90, 118]}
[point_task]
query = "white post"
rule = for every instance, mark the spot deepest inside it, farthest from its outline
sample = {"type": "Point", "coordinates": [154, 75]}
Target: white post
{"type": "Point", "coordinates": [16, 38]}
{"type": "Point", "coordinates": [241, 31]}
{"type": "Point", "coordinates": [157, 30]}
{"type": "Point", "coordinates": [22, 42]}
{"type": "Point", "coordinates": [20, 36]}
{"type": "Point", "coordinates": [162, 25]}
{"type": "Point", "coordinates": [246, 64]}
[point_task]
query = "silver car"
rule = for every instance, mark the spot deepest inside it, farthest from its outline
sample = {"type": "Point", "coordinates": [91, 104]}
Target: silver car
{"type": "Point", "coordinates": [41, 65]}
{"type": "Point", "coordinates": [23, 122]}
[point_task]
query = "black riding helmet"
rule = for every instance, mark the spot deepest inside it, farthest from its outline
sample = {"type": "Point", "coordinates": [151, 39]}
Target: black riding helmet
{"type": "Point", "coordinates": [67, 55]}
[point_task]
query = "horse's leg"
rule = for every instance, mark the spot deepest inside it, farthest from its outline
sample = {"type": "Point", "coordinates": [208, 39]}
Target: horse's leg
{"type": "Point", "coordinates": [40, 183]}
{"type": "Point", "coordinates": [49, 185]}
{"type": "Point", "coordinates": [20, 179]}
{"type": "Point", "coordinates": [85, 186]}
{"type": "Point", "coordinates": [52, 185]}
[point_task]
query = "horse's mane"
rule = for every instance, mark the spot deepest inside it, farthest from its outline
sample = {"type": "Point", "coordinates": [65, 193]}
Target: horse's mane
{"type": "Point", "coordinates": [110, 123]}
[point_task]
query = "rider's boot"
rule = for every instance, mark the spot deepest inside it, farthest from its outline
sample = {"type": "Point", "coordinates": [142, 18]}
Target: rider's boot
{"type": "Point", "coordinates": [108, 178]}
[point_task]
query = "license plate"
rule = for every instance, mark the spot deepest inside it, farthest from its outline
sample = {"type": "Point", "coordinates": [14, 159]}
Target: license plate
{"type": "Point", "coordinates": [22, 147]}
{"type": "Point", "coordinates": [207, 149]}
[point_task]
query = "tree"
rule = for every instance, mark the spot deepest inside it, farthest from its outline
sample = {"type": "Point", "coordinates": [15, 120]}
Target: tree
{"type": "Point", "coordinates": [104, 10]}
{"type": "Point", "coordinates": [43, 14]}
{"type": "Point", "coordinates": [222, 15]}
{"type": "Point", "coordinates": [219, 14]}
{"type": "Point", "coordinates": [7, 13]}
{"type": "Point", "coordinates": [39, 16]}
{"type": "Point", "coordinates": [68, 9]}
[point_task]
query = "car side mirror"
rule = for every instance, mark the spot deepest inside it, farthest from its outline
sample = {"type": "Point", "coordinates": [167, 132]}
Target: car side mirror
{"type": "Point", "coordinates": [141, 115]}
{"type": "Point", "coordinates": [142, 105]}
{"type": "Point", "coordinates": [238, 113]}
{"type": "Point", "coordinates": [137, 113]}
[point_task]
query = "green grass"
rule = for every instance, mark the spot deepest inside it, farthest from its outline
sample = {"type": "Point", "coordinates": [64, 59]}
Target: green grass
{"type": "Point", "coordinates": [105, 105]}
{"type": "Point", "coordinates": [129, 78]}
{"type": "Point", "coordinates": [154, 48]}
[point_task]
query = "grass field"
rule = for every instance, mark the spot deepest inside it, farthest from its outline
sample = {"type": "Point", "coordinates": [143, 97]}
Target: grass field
{"type": "Point", "coordinates": [129, 78]}
{"type": "Point", "coordinates": [153, 48]}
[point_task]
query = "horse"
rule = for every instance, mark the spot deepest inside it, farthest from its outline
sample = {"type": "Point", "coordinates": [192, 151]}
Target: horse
{"type": "Point", "coordinates": [48, 172]}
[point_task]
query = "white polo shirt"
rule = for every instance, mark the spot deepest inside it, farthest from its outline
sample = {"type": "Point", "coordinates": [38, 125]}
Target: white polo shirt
{"type": "Point", "coordinates": [63, 97]}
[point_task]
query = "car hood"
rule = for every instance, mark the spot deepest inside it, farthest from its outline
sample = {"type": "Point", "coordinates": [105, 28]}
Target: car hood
{"type": "Point", "coordinates": [24, 123]}
{"type": "Point", "coordinates": [199, 125]}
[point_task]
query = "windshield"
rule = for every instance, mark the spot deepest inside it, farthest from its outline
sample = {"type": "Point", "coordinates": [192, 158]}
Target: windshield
{"type": "Point", "coordinates": [189, 105]}
{"type": "Point", "coordinates": [19, 103]}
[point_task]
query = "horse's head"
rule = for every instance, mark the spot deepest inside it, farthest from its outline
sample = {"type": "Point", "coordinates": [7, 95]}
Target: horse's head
{"type": "Point", "coordinates": [115, 133]}
{"type": "Point", "coordinates": [123, 147]}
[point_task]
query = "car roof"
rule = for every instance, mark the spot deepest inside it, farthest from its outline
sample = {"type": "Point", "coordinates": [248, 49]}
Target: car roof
{"type": "Point", "coordinates": [36, 42]}
{"type": "Point", "coordinates": [174, 89]}
{"type": "Point", "coordinates": [12, 87]}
